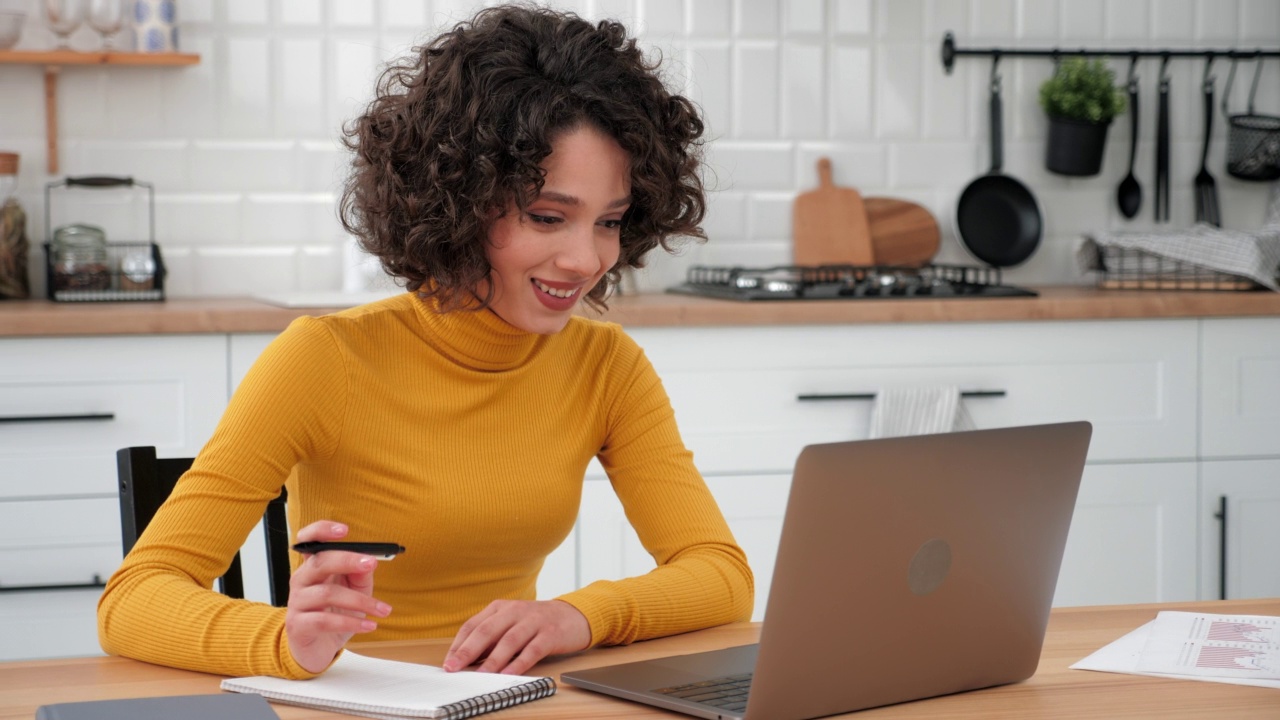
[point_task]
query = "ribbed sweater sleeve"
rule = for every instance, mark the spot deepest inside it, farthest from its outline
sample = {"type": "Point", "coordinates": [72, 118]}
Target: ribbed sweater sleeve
{"type": "Point", "coordinates": [702, 577]}
{"type": "Point", "coordinates": [157, 606]}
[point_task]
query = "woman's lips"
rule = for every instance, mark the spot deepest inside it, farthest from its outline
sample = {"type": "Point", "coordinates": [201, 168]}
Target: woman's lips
{"type": "Point", "coordinates": [548, 294]}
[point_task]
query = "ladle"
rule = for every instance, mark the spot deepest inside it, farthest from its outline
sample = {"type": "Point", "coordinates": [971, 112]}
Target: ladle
{"type": "Point", "coordinates": [1129, 192]}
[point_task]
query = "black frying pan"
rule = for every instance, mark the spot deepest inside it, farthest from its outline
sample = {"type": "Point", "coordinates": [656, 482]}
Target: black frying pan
{"type": "Point", "coordinates": [997, 218]}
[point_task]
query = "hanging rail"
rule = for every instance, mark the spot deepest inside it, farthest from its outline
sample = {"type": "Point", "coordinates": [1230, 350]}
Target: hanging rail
{"type": "Point", "coordinates": [950, 52]}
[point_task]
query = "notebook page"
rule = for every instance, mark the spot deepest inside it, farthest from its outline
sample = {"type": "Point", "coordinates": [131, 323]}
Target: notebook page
{"type": "Point", "coordinates": [359, 682]}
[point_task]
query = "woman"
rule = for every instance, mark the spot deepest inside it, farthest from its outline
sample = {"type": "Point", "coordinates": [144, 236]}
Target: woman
{"type": "Point", "coordinates": [507, 172]}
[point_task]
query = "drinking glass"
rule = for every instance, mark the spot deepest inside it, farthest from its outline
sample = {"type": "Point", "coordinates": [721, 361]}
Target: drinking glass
{"type": "Point", "coordinates": [107, 17]}
{"type": "Point", "coordinates": [63, 17]}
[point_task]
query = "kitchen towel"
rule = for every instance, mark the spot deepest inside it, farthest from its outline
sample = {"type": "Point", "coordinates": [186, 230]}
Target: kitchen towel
{"type": "Point", "coordinates": [1249, 254]}
{"type": "Point", "coordinates": [918, 411]}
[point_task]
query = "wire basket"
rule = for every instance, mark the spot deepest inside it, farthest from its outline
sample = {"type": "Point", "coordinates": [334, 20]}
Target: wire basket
{"type": "Point", "coordinates": [129, 272]}
{"type": "Point", "coordinates": [124, 271]}
{"type": "Point", "coordinates": [1253, 140]}
{"type": "Point", "coordinates": [1133, 269]}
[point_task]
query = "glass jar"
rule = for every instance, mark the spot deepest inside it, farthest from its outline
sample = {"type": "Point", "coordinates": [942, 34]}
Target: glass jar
{"type": "Point", "coordinates": [80, 260]}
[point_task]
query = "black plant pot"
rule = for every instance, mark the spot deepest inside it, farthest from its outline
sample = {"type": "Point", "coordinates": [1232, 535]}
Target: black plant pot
{"type": "Point", "coordinates": [1075, 146]}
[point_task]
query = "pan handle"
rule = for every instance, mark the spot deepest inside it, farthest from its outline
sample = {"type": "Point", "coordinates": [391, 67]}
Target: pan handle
{"type": "Point", "coordinates": [997, 117]}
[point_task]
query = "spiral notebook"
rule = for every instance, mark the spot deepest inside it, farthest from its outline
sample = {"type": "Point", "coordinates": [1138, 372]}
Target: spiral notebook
{"type": "Point", "coordinates": [391, 690]}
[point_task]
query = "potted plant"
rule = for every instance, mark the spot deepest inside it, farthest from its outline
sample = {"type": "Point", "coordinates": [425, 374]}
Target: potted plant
{"type": "Point", "coordinates": [1080, 98]}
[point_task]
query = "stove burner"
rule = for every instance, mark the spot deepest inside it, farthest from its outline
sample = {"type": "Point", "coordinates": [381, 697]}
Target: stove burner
{"type": "Point", "coordinates": [846, 282]}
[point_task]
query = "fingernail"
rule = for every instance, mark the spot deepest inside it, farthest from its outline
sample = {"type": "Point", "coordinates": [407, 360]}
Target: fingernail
{"type": "Point", "coordinates": [338, 528]}
{"type": "Point", "coordinates": [367, 625]}
{"type": "Point", "coordinates": [384, 609]}
{"type": "Point", "coordinates": [451, 665]}
{"type": "Point", "coordinates": [367, 563]}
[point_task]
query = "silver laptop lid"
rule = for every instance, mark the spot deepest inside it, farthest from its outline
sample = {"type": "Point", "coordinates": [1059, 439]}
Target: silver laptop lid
{"type": "Point", "coordinates": [917, 566]}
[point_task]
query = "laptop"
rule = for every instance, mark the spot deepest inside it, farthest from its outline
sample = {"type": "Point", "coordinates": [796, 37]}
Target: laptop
{"type": "Point", "coordinates": [907, 568]}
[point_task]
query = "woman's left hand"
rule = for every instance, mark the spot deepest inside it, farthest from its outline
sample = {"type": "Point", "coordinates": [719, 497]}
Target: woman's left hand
{"type": "Point", "coordinates": [516, 634]}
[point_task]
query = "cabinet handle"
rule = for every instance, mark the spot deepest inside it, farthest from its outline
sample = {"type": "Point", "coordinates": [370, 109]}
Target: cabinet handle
{"type": "Point", "coordinates": [96, 584]}
{"type": "Point", "coordinates": [1221, 517]}
{"type": "Point", "coordinates": [55, 418]}
{"type": "Point", "coordinates": [872, 396]}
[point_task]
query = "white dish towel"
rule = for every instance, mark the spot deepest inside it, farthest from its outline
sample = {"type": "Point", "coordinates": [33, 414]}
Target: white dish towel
{"type": "Point", "coordinates": [918, 411]}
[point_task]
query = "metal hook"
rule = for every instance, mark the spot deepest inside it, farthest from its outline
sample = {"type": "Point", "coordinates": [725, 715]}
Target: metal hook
{"type": "Point", "coordinates": [1207, 80]}
{"type": "Point", "coordinates": [1164, 69]}
{"type": "Point", "coordinates": [1257, 74]}
{"type": "Point", "coordinates": [1133, 72]}
{"type": "Point", "coordinates": [995, 73]}
{"type": "Point", "coordinates": [1226, 94]}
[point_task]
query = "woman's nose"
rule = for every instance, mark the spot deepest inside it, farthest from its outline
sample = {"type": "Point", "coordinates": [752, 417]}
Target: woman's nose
{"type": "Point", "coordinates": [580, 253]}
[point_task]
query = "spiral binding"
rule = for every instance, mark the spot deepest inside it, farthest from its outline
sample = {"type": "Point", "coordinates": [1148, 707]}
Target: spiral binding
{"type": "Point", "coordinates": [500, 699]}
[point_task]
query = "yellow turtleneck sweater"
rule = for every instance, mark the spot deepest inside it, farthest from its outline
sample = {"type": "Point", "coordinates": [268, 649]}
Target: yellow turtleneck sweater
{"type": "Point", "coordinates": [458, 436]}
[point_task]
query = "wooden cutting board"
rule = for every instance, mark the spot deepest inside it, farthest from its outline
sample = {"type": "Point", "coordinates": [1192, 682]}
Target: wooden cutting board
{"type": "Point", "coordinates": [903, 233]}
{"type": "Point", "coordinates": [829, 224]}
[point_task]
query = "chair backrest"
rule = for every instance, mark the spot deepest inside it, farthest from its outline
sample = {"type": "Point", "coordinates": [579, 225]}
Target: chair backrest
{"type": "Point", "coordinates": [145, 482]}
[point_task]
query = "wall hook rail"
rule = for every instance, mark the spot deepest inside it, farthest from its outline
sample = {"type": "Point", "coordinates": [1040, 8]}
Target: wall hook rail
{"type": "Point", "coordinates": [951, 51]}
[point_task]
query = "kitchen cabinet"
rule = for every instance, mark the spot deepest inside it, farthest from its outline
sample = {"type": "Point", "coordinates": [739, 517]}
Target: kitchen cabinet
{"type": "Point", "coordinates": [1240, 388]}
{"type": "Point", "coordinates": [67, 405]}
{"type": "Point", "coordinates": [1133, 536]}
{"type": "Point", "coordinates": [1250, 492]}
{"type": "Point", "coordinates": [1240, 457]}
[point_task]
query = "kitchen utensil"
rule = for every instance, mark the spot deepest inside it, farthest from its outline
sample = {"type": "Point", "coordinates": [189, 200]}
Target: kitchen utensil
{"type": "Point", "coordinates": [1129, 192]}
{"type": "Point", "coordinates": [829, 224]}
{"type": "Point", "coordinates": [903, 233]}
{"type": "Point", "coordinates": [1162, 146]}
{"type": "Point", "coordinates": [63, 17]}
{"type": "Point", "coordinates": [106, 17]}
{"type": "Point", "coordinates": [1206, 187]}
{"type": "Point", "coordinates": [997, 218]}
{"type": "Point", "coordinates": [1253, 141]}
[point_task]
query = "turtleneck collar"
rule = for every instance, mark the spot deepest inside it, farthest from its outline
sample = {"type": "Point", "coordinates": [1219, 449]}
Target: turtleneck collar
{"type": "Point", "coordinates": [477, 339]}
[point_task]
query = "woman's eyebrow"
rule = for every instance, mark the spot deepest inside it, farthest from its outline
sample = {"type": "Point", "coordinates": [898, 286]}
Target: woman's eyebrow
{"type": "Point", "coordinates": [564, 199]}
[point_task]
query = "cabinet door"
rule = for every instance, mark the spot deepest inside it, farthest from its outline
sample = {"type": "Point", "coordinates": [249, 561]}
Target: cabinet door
{"type": "Point", "coordinates": [69, 405]}
{"type": "Point", "coordinates": [1251, 491]}
{"type": "Point", "coordinates": [1240, 387]}
{"type": "Point", "coordinates": [753, 505]}
{"type": "Point", "coordinates": [1133, 536]}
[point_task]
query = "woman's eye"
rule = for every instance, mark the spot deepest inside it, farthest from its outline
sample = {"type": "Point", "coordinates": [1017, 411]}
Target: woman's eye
{"type": "Point", "coordinates": [612, 224]}
{"type": "Point", "coordinates": [544, 219]}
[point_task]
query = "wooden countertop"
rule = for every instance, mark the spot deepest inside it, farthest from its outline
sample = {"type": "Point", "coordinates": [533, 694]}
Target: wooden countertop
{"type": "Point", "coordinates": [234, 315]}
{"type": "Point", "coordinates": [1055, 691]}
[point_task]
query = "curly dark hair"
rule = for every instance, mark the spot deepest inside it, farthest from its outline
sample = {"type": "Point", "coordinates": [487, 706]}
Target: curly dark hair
{"type": "Point", "coordinates": [458, 129]}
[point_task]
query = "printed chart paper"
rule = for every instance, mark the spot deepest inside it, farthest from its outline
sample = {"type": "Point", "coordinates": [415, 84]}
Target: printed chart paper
{"type": "Point", "coordinates": [1239, 646]}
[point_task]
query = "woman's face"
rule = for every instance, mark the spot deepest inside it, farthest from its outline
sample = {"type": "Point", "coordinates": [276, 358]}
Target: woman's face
{"type": "Point", "coordinates": [546, 259]}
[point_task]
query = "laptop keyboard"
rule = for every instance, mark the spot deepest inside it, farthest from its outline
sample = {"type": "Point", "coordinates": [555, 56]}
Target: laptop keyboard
{"type": "Point", "coordinates": [726, 693]}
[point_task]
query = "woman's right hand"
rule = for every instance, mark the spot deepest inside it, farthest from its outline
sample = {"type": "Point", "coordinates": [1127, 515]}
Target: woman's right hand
{"type": "Point", "coordinates": [330, 599]}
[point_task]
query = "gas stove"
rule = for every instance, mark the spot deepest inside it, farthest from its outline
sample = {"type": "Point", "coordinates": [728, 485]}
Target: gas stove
{"type": "Point", "coordinates": [846, 282]}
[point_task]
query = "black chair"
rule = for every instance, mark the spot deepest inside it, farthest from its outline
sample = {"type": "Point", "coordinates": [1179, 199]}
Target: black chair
{"type": "Point", "coordinates": [145, 482]}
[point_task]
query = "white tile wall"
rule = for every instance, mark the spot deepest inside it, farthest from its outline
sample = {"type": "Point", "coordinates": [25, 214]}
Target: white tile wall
{"type": "Point", "coordinates": [244, 148]}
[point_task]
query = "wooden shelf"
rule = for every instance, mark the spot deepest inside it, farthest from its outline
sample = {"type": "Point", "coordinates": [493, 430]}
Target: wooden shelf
{"type": "Point", "coordinates": [74, 57]}
{"type": "Point", "coordinates": [54, 60]}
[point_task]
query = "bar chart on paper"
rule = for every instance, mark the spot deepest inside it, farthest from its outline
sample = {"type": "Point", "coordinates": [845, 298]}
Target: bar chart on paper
{"type": "Point", "coordinates": [1213, 645]}
{"type": "Point", "coordinates": [1232, 658]}
{"type": "Point", "coordinates": [1241, 632]}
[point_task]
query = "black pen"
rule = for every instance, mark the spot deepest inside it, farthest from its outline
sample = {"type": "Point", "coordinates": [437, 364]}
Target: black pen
{"type": "Point", "coordinates": [380, 550]}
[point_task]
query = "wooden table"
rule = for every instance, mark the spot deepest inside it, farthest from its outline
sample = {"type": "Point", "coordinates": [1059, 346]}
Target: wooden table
{"type": "Point", "coordinates": [1054, 692]}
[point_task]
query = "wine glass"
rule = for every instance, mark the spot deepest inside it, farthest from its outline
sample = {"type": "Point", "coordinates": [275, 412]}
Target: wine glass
{"type": "Point", "coordinates": [63, 17]}
{"type": "Point", "coordinates": [107, 17]}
